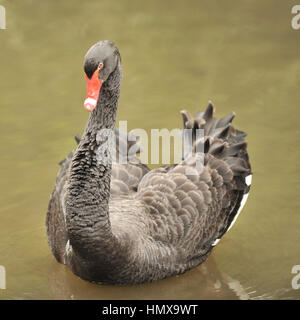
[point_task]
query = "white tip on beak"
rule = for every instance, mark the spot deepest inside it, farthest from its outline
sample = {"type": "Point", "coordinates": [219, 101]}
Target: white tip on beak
{"type": "Point", "coordinates": [90, 104]}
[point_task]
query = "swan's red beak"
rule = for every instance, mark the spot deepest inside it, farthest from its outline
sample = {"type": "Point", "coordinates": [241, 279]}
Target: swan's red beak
{"type": "Point", "coordinates": [93, 88]}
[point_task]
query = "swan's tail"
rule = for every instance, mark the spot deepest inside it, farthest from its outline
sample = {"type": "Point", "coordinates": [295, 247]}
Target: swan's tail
{"type": "Point", "coordinates": [224, 142]}
{"type": "Point", "coordinates": [221, 140]}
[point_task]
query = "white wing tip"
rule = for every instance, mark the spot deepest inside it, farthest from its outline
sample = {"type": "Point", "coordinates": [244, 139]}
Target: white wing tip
{"type": "Point", "coordinates": [68, 247]}
{"type": "Point", "coordinates": [216, 242]}
{"type": "Point", "coordinates": [248, 180]}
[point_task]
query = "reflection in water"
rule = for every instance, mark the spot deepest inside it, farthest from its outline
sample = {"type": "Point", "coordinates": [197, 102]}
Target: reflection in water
{"type": "Point", "coordinates": [207, 280]}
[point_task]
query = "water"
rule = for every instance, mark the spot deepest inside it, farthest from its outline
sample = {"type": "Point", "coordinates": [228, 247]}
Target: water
{"type": "Point", "coordinates": [243, 55]}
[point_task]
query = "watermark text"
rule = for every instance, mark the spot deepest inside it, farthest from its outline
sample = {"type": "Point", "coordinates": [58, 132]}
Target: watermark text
{"type": "Point", "coordinates": [296, 278]}
{"type": "Point", "coordinates": [296, 19]}
{"type": "Point", "coordinates": [122, 147]}
{"type": "Point", "coordinates": [2, 278]}
{"type": "Point", "coordinates": [2, 17]}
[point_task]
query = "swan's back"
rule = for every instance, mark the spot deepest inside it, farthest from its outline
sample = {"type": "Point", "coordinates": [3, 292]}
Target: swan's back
{"type": "Point", "coordinates": [178, 213]}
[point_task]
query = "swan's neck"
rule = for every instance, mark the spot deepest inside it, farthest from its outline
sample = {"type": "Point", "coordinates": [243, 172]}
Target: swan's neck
{"type": "Point", "coordinates": [89, 182]}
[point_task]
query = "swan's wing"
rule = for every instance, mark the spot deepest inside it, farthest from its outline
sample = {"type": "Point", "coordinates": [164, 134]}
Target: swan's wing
{"type": "Point", "coordinates": [126, 177]}
{"type": "Point", "coordinates": [55, 221]}
{"type": "Point", "coordinates": [190, 206]}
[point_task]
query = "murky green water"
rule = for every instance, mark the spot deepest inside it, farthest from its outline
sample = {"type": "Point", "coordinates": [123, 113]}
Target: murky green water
{"type": "Point", "coordinates": [243, 55]}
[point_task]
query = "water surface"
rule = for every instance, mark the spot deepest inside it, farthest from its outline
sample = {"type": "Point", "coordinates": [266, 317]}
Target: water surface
{"type": "Point", "coordinates": [242, 55]}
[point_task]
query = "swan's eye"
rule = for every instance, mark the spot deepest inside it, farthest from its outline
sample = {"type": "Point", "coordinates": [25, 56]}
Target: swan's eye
{"type": "Point", "coordinates": [100, 66]}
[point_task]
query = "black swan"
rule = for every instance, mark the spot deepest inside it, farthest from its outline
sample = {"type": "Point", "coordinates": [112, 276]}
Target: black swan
{"type": "Point", "coordinates": [126, 224]}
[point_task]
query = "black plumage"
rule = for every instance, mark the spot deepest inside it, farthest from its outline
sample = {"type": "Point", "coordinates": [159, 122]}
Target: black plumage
{"type": "Point", "coordinates": [124, 223]}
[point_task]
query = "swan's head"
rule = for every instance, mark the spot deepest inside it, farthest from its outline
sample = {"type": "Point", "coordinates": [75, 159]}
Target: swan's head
{"type": "Point", "coordinates": [99, 62]}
